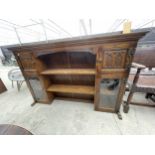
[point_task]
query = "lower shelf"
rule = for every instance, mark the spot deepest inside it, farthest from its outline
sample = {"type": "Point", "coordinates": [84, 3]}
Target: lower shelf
{"type": "Point", "coordinates": [79, 89]}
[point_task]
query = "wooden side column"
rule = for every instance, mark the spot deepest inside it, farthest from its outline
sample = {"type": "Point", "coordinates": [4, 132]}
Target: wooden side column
{"type": "Point", "coordinates": [99, 59]}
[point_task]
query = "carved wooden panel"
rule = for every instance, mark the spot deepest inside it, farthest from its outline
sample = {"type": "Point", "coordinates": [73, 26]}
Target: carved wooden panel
{"type": "Point", "coordinates": [129, 58]}
{"type": "Point", "coordinates": [27, 60]}
{"type": "Point", "coordinates": [114, 59]}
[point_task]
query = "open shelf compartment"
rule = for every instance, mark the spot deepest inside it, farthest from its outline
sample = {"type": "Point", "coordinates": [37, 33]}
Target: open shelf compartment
{"type": "Point", "coordinates": [77, 89]}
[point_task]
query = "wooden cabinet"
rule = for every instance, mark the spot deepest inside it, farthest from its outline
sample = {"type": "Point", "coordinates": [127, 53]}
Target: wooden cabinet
{"type": "Point", "coordinates": [93, 68]}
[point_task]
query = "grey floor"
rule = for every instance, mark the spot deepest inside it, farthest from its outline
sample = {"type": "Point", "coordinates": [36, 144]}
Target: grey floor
{"type": "Point", "coordinates": [68, 117]}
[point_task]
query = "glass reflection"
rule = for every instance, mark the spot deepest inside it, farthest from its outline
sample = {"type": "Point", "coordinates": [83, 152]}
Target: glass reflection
{"type": "Point", "coordinates": [109, 89]}
{"type": "Point", "coordinates": [37, 88]}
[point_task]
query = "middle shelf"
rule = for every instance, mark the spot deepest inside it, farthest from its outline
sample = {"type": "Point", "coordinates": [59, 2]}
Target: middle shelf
{"type": "Point", "coordinates": [75, 71]}
{"type": "Point", "coordinates": [78, 89]}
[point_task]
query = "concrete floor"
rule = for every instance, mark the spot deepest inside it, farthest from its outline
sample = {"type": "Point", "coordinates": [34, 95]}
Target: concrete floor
{"type": "Point", "coordinates": [68, 117]}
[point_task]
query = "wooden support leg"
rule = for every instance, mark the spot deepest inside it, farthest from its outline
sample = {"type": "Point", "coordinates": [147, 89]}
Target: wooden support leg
{"type": "Point", "coordinates": [119, 115]}
{"type": "Point", "coordinates": [33, 103]}
{"type": "Point", "coordinates": [126, 104]}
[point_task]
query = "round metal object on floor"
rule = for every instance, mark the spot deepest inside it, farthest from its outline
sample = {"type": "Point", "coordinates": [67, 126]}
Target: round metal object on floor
{"type": "Point", "coordinates": [8, 129]}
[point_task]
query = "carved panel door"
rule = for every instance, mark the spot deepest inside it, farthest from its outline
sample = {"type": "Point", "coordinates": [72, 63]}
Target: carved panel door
{"type": "Point", "coordinates": [112, 71]}
{"type": "Point", "coordinates": [28, 67]}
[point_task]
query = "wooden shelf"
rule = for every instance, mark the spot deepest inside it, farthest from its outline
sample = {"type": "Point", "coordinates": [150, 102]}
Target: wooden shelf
{"type": "Point", "coordinates": [69, 71]}
{"type": "Point", "coordinates": [78, 89]}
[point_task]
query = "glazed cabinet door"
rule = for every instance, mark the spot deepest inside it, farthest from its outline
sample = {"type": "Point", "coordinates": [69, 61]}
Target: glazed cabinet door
{"type": "Point", "coordinates": [27, 65]}
{"type": "Point", "coordinates": [108, 93]}
{"type": "Point", "coordinates": [37, 89]}
{"type": "Point", "coordinates": [112, 69]}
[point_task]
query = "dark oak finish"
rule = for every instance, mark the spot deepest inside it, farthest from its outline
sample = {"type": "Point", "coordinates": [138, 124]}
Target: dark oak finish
{"type": "Point", "coordinates": [74, 68]}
